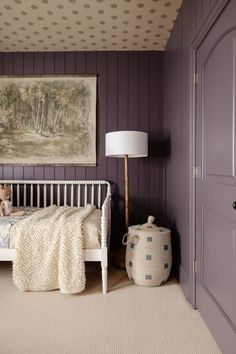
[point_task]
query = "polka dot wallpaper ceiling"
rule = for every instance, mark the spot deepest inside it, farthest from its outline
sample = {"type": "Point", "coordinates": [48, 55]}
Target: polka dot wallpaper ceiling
{"type": "Point", "coordinates": [84, 25]}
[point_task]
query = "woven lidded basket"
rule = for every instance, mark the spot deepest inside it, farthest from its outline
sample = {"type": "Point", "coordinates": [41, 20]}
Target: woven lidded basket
{"type": "Point", "coordinates": [148, 254]}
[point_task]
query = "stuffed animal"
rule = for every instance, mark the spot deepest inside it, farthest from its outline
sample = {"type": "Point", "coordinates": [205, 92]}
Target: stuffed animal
{"type": "Point", "coordinates": [5, 204]}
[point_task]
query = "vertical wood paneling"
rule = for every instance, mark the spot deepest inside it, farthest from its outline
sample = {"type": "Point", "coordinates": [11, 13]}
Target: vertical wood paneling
{"type": "Point", "coordinates": [49, 63]}
{"type": "Point", "coordinates": [18, 172]}
{"type": "Point", "coordinates": [199, 12]}
{"type": "Point", "coordinates": [156, 139]}
{"type": "Point", "coordinates": [8, 64]}
{"type": "Point", "coordinates": [143, 171]}
{"type": "Point", "coordinates": [28, 63]}
{"type": "Point", "coordinates": [176, 191]}
{"type": "Point", "coordinates": [122, 116]}
{"type": "Point", "coordinates": [91, 63]}
{"type": "Point", "coordinates": [28, 67]}
{"type": "Point", "coordinates": [80, 67]}
{"type": "Point", "coordinates": [49, 172]}
{"type": "Point", "coordinates": [122, 91]}
{"type": "Point", "coordinates": [177, 84]}
{"type": "Point", "coordinates": [206, 7]}
{"type": "Point", "coordinates": [133, 90]}
{"type": "Point", "coordinates": [28, 172]}
{"type": "Point", "coordinates": [194, 6]}
{"type": "Point", "coordinates": [112, 123]}
{"type": "Point", "coordinates": [80, 63]}
{"type": "Point", "coordinates": [70, 63]}
{"type": "Point", "coordinates": [18, 70]}
{"type": "Point", "coordinates": [59, 63]}
{"type": "Point", "coordinates": [101, 114]}
{"type": "Point", "coordinates": [52, 62]}
{"type": "Point", "coordinates": [1, 63]}
{"type": "Point", "coordinates": [7, 70]}
{"type": "Point", "coordinates": [18, 64]}
{"type": "Point", "coordinates": [133, 109]}
{"type": "Point", "coordinates": [91, 67]}
{"type": "Point", "coordinates": [8, 172]}
{"type": "Point", "coordinates": [212, 2]}
{"type": "Point", "coordinates": [59, 172]}
{"type": "Point", "coordinates": [128, 97]}
{"type": "Point", "coordinates": [1, 73]}
{"type": "Point", "coordinates": [39, 63]}
{"type": "Point", "coordinates": [39, 172]}
{"type": "Point", "coordinates": [70, 172]}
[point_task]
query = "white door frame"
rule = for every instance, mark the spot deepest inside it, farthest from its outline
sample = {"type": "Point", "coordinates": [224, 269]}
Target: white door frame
{"type": "Point", "coordinates": [204, 29]}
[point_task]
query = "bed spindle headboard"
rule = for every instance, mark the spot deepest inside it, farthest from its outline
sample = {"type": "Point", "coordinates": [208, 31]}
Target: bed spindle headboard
{"type": "Point", "coordinates": [42, 193]}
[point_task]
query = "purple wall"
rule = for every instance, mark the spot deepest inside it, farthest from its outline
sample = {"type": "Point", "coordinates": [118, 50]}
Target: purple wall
{"type": "Point", "coordinates": [129, 97]}
{"type": "Point", "coordinates": [177, 83]}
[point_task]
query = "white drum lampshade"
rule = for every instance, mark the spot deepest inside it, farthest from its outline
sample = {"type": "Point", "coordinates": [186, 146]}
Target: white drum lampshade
{"type": "Point", "coordinates": [130, 143]}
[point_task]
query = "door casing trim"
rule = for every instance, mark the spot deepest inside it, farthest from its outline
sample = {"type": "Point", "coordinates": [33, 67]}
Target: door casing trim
{"type": "Point", "coordinates": [198, 39]}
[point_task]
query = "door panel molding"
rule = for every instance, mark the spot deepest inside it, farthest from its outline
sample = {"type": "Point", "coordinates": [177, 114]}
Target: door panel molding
{"type": "Point", "coordinates": [207, 24]}
{"type": "Point", "coordinates": [226, 180]}
{"type": "Point", "coordinates": [214, 162]}
{"type": "Point", "coordinates": [225, 233]}
{"type": "Point", "coordinates": [216, 321]}
{"type": "Point", "coordinates": [224, 34]}
{"type": "Point", "coordinates": [214, 147]}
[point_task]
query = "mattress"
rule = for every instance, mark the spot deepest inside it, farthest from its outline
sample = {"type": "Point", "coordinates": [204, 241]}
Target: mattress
{"type": "Point", "coordinates": [91, 228]}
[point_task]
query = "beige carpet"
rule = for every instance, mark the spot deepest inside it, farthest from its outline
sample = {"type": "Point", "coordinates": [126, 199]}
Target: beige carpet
{"type": "Point", "coordinates": [130, 319]}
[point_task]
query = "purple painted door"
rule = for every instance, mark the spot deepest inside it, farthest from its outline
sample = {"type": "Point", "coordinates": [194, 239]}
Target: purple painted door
{"type": "Point", "coordinates": [216, 180]}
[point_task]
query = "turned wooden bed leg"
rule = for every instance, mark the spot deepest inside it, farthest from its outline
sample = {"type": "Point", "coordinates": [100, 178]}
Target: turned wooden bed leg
{"type": "Point", "coordinates": [104, 280]}
{"type": "Point", "coordinates": [104, 264]}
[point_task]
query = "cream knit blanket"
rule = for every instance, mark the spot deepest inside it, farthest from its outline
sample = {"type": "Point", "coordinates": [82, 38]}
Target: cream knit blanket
{"type": "Point", "coordinates": [49, 250]}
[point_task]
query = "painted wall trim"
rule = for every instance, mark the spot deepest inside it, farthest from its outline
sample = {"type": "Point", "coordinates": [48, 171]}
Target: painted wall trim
{"type": "Point", "coordinates": [184, 280]}
{"type": "Point", "coordinates": [216, 10]}
{"type": "Point", "coordinates": [204, 29]}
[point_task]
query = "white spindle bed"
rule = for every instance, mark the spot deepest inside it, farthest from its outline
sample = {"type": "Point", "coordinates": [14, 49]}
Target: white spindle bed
{"type": "Point", "coordinates": [73, 193]}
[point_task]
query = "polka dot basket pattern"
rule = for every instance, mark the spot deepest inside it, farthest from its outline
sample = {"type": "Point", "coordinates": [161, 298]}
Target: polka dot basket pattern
{"type": "Point", "coordinates": [77, 25]}
{"type": "Point", "coordinates": [148, 254]}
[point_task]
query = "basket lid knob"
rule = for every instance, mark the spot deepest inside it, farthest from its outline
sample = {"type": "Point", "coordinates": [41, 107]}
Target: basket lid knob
{"type": "Point", "coordinates": [151, 219]}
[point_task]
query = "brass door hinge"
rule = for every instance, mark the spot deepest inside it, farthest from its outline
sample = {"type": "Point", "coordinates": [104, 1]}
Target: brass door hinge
{"type": "Point", "coordinates": [197, 171]}
{"type": "Point", "coordinates": [195, 79]}
{"type": "Point", "coordinates": [194, 265]}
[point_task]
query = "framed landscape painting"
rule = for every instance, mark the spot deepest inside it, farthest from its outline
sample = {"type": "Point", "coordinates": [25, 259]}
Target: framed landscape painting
{"type": "Point", "coordinates": [48, 120]}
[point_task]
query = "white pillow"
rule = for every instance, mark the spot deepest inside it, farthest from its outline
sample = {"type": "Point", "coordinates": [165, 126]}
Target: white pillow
{"type": "Point", "coordinates": [92, 230]}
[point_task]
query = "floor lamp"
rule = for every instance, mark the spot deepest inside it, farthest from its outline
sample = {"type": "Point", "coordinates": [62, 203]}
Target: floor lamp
{"type": "Point", "coordinates": [126, 144]}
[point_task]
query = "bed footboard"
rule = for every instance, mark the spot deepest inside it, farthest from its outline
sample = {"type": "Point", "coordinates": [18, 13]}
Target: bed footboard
{"type": "Point", "coordinates": [73, 193]}
{"type": "Point", "coordinates": [105, 240]}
